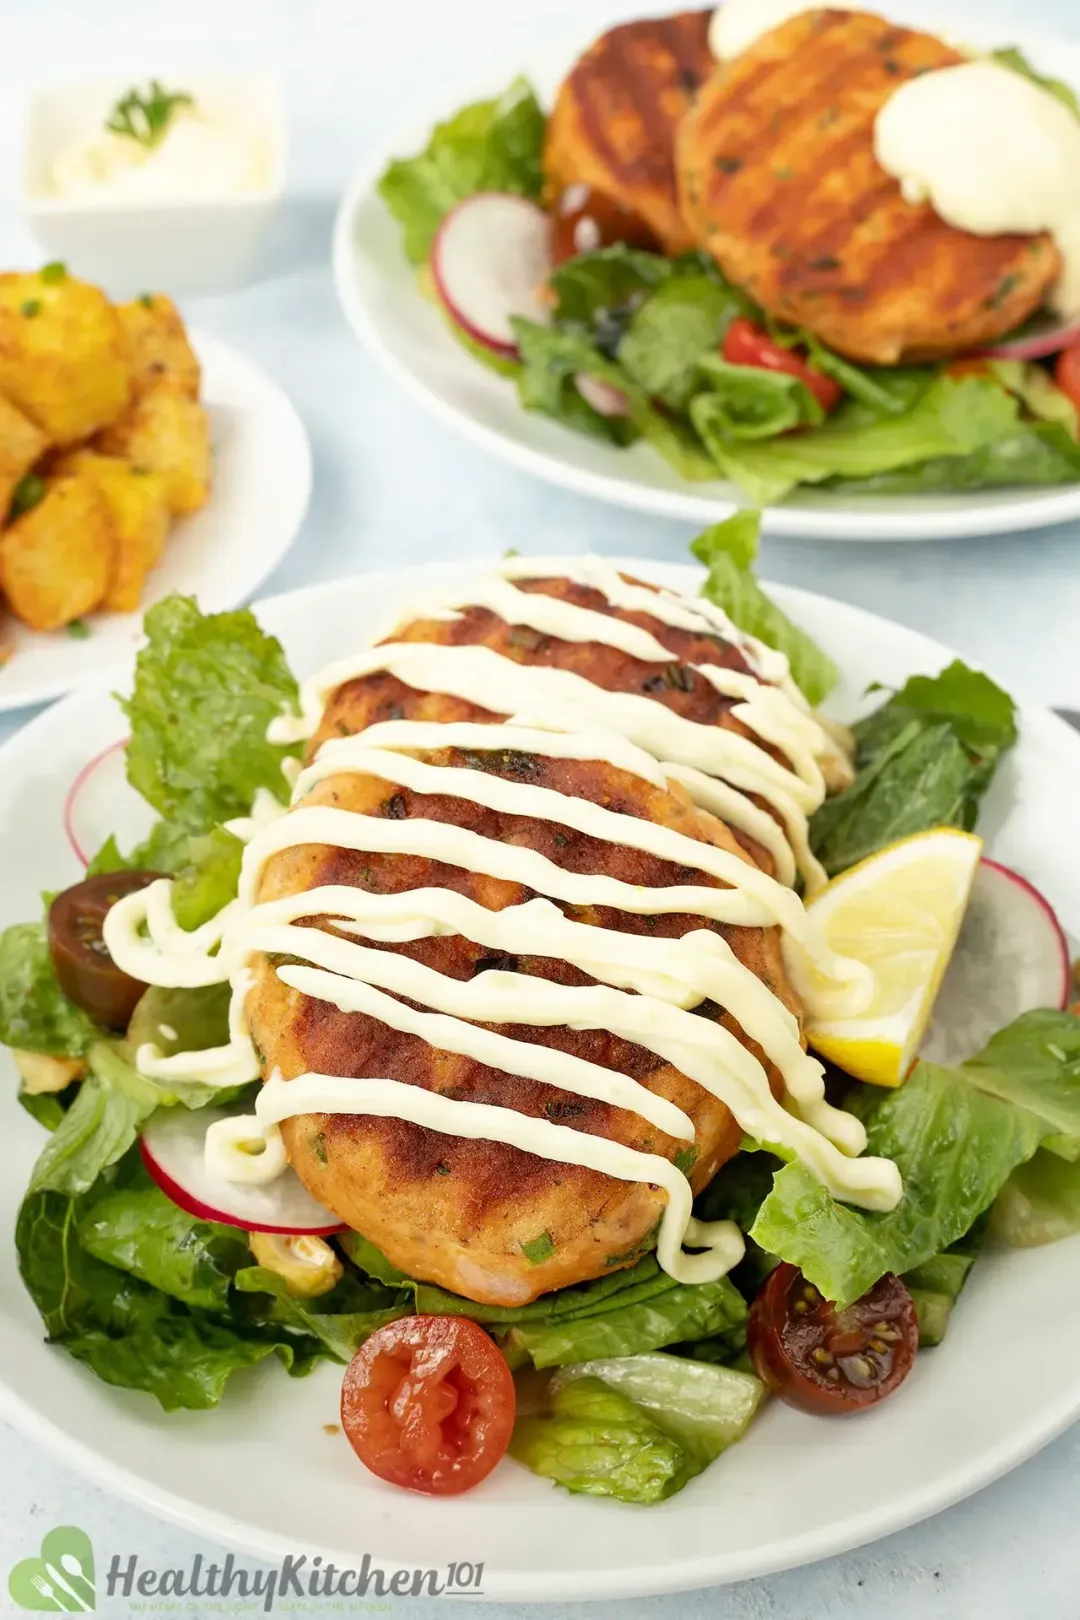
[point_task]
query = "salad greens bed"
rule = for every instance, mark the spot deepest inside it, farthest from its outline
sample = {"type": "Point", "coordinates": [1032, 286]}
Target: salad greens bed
{"type": "Point", "coordinates": [652, 327]}
{"type": "Point", "coordinates": [639, 1381]}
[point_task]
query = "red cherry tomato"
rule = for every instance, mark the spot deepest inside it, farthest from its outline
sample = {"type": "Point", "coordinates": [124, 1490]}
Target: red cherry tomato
{"type": "Point", "coordinates": [428, 1403]}
{"type": "Point", "coordinates": [748, 345]}
{"type": "Point", "coordinates": [1067, 374]}
{"type": "Point", "coordinates": [585, 219]}
{"type": "Point", "coordinates": [824, 1360]}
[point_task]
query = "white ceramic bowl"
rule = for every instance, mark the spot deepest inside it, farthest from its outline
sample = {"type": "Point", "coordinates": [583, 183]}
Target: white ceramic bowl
{"type": "Point", "coordinates": [186, 246]}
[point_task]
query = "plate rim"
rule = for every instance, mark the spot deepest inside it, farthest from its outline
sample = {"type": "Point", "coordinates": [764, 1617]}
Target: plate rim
{"type": "Point", "coordinates": [1008, 512]}
{"type": "Point", "coordinates": [239, 361]}
{"type": "Point", "coordinates": [520, 1585]}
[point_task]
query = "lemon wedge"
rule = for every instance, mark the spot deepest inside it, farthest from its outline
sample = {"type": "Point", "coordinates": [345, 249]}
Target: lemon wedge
{"type": "Point", "coordinates": [899, 912]}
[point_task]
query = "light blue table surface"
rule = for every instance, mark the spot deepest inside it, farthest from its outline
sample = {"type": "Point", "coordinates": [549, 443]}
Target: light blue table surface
{"type": "Point", "coordinates": [393, 487]}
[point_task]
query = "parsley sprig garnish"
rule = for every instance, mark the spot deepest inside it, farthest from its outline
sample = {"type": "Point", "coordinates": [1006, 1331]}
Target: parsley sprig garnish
{"type": "Point", "coordinates": [145, 118]}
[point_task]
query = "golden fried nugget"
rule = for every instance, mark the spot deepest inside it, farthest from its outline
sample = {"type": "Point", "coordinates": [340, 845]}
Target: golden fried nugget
{"type": "Point", "coordinates": [138, 502]}
{"type": "Point", "coordinates": [56, 560]}
{"type": "Point", "coordinates": [167, 432]}
{"type": "Point", "coordinates": [158, 343]}
{"type": "Point", "coordinates": [63, 354]}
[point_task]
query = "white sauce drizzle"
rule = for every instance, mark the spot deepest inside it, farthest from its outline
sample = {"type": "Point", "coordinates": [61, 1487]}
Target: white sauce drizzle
{"type": "Point", "coordinates": [646, 984]}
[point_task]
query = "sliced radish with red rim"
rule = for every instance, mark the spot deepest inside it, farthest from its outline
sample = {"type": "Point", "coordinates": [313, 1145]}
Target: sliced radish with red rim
{"type": "Point", "coordinates": [1012, 957]}
{"type": "Point", "coordinates": [604, 397]}
{"type": "Point", "coordinates": [491, 261]}
{"type": "Point", "coordinates": [101, 803]}
{"type": "Point", "coordinates": [172, 1148]}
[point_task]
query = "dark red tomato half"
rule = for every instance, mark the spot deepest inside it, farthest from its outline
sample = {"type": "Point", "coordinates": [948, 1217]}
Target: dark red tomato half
{"type": "Point", "coordinates": [87, 973]}
{"type": "Point", "coordinates": [428, 1403]}
{"type": "Point", "coordinates": [1067, 374]}
{"type": "Point", "coordinates": [585, 219]}
{"type": "Point", "coordinates": [824, 1360]}
{"type": "Point", "coordinates": [746, 344]}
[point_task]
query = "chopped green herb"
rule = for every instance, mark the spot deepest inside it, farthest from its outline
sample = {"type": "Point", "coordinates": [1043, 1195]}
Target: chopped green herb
{"type": "Point", "coordinates": [729, 165]}
{"type": "Point", "coordinates": [1008, 285]}
{"type": "Point", "coordinates": [685, 1159]}
{"type": "Point", "coordinates": [318, 1147]}
{"type": "Point", "coordinates": [79, 630]}
{"type": "Point", "coordinates": [28, 493]}
{"type": "Point", "coordinates": [54, 271]}
{"type": "Point", "coordinates": [539, 1249]}
{"type": "Point", "coordinates": [146, 118]}
{"type": "Point", "coordinates": [146, 300]}
{"type": "Point", "coordinates": [30, 307]}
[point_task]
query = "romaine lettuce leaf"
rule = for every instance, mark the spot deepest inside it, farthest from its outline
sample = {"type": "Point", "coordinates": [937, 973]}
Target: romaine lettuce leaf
{"type": "Point", "coordinates": [1040, 1203]}
{"type": "Point", "coordinates": [140, 1231]}
{"type": "Point", "coordinates": [597, 288]}
{"type": "Point", "coordinates": [677, 1312]}
{"type": "Point", "coordinates": [1032, 455]}
{"type": "Point", "coordinates": [112, 1104]}
{"type": "Point", "coordinates": [954, 417]}
{"type": "Point", "coordinates": [728, 551]}
{"type": "Point", "coordinates": [955, 1147]}
{"type": "Point", "coordinates": [206, 688]}
{"type": "Point", "coordinates": [882, 390]}
{"type": "Point", "coordinates": [746, 403]}
{"type": "Point", "coordinates": [550, 356]}
{"type": "Point", "coordinates": [677, 327]}
{"type": "Point", "coordinates": [923, 759]}
{"type": "Point", "coordinates": [1035, 1063]}
{"type": "Point", "coordinates": [635, 1428]}
{"type": "Point", "coordinates": [35, 1014]}
{"type": "Point", "coordinates": [1011, 56]}
{"type": "Point", "coordinates": [597, 1442]}
{"type": "Point", "coordinates": [340, 1320]}
{"type": "Point", "coordinates": [489, 146]}
{"type": "Point", "coordinates": [935, 1286]}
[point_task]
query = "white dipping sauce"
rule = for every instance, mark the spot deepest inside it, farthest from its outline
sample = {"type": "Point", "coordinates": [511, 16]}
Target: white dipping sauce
{"type": "Point", "coordinates": [206, 151]}
{"type": "Point", "coordinates": [738, 24]}
{"type": "Point", "coordinates": [993, 153]}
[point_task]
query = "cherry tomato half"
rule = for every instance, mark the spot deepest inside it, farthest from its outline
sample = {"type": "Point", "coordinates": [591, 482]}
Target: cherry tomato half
{"type": "Point", "coordinates": [824, 1360]}
{"type": "Point", "coordinates": [1067, 374]}
{"type": "Point", "coordinates": [87, 973]}
{"type": "Point", "coordinates": [746, 344]}
{"type": "Point", "coordinates": [584, 219]}
{"type": "Point", "coordinates": [428, 1403]}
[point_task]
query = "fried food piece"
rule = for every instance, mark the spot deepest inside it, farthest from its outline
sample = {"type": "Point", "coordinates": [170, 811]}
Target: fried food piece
{"type": "Point", "coordinates": [779, 181]}
{"type": "Point", "coordinates": [56, 560]}
{"type": "Point", "coordinates": [158, 344]}
{"type": "Point", "coordinates": [22, 443]}
{"type": "Point", "coordinates": [166, 432]}
{"type": "Point", "coordinates": [63, 354]}
{"type": "Point", "coordinates": [614, 120]}
{"type": "Point", "coordinates": [445, 1209]}
{"type": "Point", "coordinates": [138, 503]}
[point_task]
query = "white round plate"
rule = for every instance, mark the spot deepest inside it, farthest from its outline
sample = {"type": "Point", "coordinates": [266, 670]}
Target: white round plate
{"type": "Point", "coordinates": [262, 1475]}
{"type": "Point", "coordinates": [221, 554]}
{"type": "Point", "coordinates": [380, 295]}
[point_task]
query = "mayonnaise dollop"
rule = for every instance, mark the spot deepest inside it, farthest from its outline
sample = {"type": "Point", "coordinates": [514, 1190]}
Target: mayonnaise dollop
{"type": "Point", "coordinates": [208, 150]}
{"type": "Point", "coordinates": [994, 153]}
{"type": "Point", "coordinates": [738, 24]}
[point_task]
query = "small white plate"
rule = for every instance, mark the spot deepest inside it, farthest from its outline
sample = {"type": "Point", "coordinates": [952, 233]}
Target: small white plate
{"type": "Point", "coordinates": [261, 1474]}
{"type": "Point", "coordinates": [381, 298]}
{"type": "Point", "coordinates": [258, 498]}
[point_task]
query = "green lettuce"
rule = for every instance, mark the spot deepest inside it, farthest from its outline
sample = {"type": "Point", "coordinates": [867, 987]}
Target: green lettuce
{"type": "Point", "coordinates": [35, 1014]}
{"type": "Point", "coordinates": [881, 390]}
{"type": "Point", "coordinates": [924, 759]}
{"type": "Point", "coordinates": [492, 145]}
{"type": "Point", "coordinates": [677, 1312]}
{"type": "Point", "coordinates": [1040, 1203]}
{"type": "Point", "coordinates": [728, 551]}
{"type": "Point", "coordinates": [935, 1286]}
{"type": "Point", "coordinates": [954, 417]}
{"type": "Point", "coordinates": [746, 403]}
{"type": "Point", "coordinates": [956, 1135]}
{"type": "Point", "coordinates": [1011, 56]}
{"type": "Point", "coordinates": [550, 356]}
{"type": "Point", "coordinates": [1036, 454]}
{"type": "Point", "coordinates": [340, 1320]}
{"type": "Point", "coordinates": [674, 331]}
{"type": "Point", "coordinates": [636, 1428]}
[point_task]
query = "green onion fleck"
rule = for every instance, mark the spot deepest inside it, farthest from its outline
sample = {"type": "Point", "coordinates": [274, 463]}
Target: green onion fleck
{"type": "Point", "coordinates": [146, 300]}
{"type": "Point", "coordinates": [28, 493]}
{"type": "Point", "coordinates": [53, 272]}
{"type": "Point", "coordinates": [684, 1160]}
{"type": "Point", "coordinates": [539, 1249]}
{"type": "Point", "coordinates": [146, 118]}
{"type": "Point", "coordinates": [30, 306]}
{"type": "Point", "coordinates": [79, 630]}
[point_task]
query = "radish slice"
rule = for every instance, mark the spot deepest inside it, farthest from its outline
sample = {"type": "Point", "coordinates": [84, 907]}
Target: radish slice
{"type": "Point", "coordinates": [100, 802]}
{"type": "Point", "coordinates": [491, 259]}
{"type": "Point", "coordinates": [1011, 957]}
{"type": "Point", "coordinates": [172, 1150]}
{"type": "Point", "coordinates": [605, 398]}
{"type": "Point", "coordinates": [1044, 335]}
